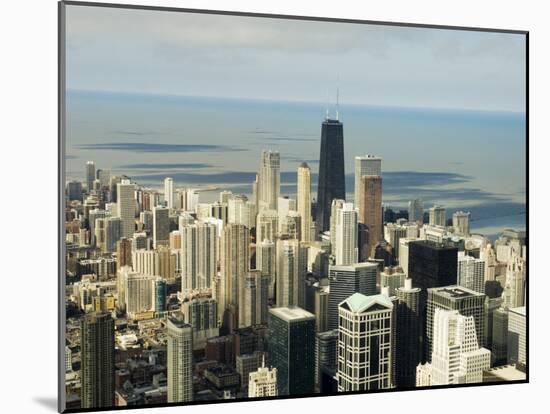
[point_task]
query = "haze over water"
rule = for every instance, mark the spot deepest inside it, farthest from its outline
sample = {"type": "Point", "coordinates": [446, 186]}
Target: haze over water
{"type": "Point", "coordinates": [469, 160]}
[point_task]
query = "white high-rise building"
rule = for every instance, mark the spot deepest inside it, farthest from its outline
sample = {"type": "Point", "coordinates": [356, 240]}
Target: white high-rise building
{"type": "Point", "coordinates": [139, 293]}
{"type": "Point", "coordinates": [461, 223]}
{"type": "Point", "coordinates": [291, 225]}
{"type": "Point", "coordinates": [285, 205]}
{"type": "Point", "coordinates": [161, 226]}
{"type": "Point", "coordinates": [199, 255]}
{"type": "Point", "coordinates": [179, 361]}
{"type": "Point", "coordinates": [336, 205]}
{"type": "Point", "coordinates": [416, 211]}
{"type": "Point", "coordinates": [169, 192]}
{"type": "Point", "coordinates": [126, 207]}
{"type": "Point", "coordinates": [365, 343]}
{"type": "Point", "coordinates": [365, 165]}
{"type": "Point", "coordinates": [346, 235]}
{"type": "Point", "coordinates": [269, 180]}
{"type": "Point", "coordinates": [471, 273]}
{"type": "Point", "coordinates": [456, 355]}
{"type": "Point", "coordinates": [517, 332]}
{"type": "Point", "coordinates": [263, 382]}
{"type": "Point", "coordinates": [304, 200]}
{"type": "Point", "coordinates": [266, 262]}
{"type": "Point", "coordinates": [514, 288]}
{"type": "Point", "coordinates": [241, 211]}
{"type": "Point", "coordinates": [438, 216]}
{"type": "Point", "coordinates": [291, 273]}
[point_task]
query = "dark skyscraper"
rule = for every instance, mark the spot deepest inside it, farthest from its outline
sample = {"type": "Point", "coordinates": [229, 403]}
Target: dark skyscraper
{"type": "Point", "coordinates": [431, 265]}
{"type": "Point", "coordinates": [331, 172]}
{"type": "Point", "coordinates": [291, 347]}
{"type": "Point", "coordinates": [407, 335]}
{"type": "Point", "coordinates": [98, 360]}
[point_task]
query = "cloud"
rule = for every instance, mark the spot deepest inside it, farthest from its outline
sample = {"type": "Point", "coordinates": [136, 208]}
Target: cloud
{"type": "Point", "coordinates": [147, 147]}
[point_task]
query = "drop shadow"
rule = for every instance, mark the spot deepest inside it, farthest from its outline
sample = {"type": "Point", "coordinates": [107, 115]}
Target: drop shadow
{"type": "Point", "coordinates": [47, 402]}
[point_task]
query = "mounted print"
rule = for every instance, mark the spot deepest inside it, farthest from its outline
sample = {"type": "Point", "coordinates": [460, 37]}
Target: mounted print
{"type": "Point", "coordinates": [262, 206]}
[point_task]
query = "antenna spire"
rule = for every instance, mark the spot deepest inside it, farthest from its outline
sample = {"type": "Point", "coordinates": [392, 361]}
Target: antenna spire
{"type": "Point", "coordinates": [337, 97]}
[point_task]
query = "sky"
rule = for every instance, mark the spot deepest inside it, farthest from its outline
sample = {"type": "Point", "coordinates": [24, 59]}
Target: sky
{"type": "Point", "coordinates": [159, 52]}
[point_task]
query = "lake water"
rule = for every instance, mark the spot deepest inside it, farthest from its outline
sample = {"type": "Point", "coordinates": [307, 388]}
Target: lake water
{"type": "Point", "coordinates": [469, 160]}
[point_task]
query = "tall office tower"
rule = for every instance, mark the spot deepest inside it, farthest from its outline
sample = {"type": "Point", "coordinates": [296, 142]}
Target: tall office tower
{"type": "Point", "coordinates": [285, 205]}
{"type": "Point", "coordinates": [253, 306]}
{"type": "Point", "coordinates": [124, 253]}
{"type": "Point", "coordinates": [169, 192]}
{"type": "Point", "coordinates": [157, 262]}
{"type": "Point", "coordinates": [335, 205]}
{"type": "Point", "coordinates": [269, 180]}
{"type": "Point", "coordinates": [199, 254]}
{"type": "Point", "coordinates": [161, 226]}
{"type": "Point", "coordinates": [489, 255]}
{"type": "Point", "coordinates": [471, 273]}
{"type": "Point", "coordinates": [369, 165]}
{"type": "Point", "coordinates": [416, 211]}
{"type": "Point", "coordinates": [160, 292]}
{"type": "Point", "coordinates": [113, 227]}
{"type": "Point", "coordinates": [174, 240]}
{"type": "Point", "coordinates": [393, 233]}
{"type": "Point", "coordinates": [126, 206]}
{"type": "Point", "coordinates": [492, 304]}
{"type": "Point", "coordinates": [517, 332]}
{"type": "Point", "coordinates": [304, 200]}
{"type": "Point", "coordinates": [393, 278]}
{"type": "Point", "coordinates": [267, 228]}
{"type": "Point", "coordinates": [179, 360]}
{"type": "Point", "coordinates": [457, 357]}
{"type": "Point", "coordinates": [291, 225]}
{"type": "Point", "coordinates": [466, 301]}
{"type": "Point", "coordinates": [263, 382]}
{"type": "Point", "coordinates": [234, 266]}
{"type": "Point", "coordinates": [74, 190]}
{"type": "Point", "coordinates": [191, 199]}
{"type": "Point", "coordinates": [104, 177]}
{"type": "Point", "coordinates": [437, 216]}
{"type": "Point", "coordinates": [291, 273]}
{"type": "Point", "coordinates": [97, 352]}
{"type": "Point", "coordinates": [370, 209]}
{"type": "Point", "coordinates": [114, 180]}
{"type": "Point", "coordinates": [510, 241]}
{"type": "Point", "coordinates": [432, 264]}
{"type": "Point", "coordinates": [291, 347]}
{"type": "Point", "coordinates": [219, 211]}
{"type": "Point", "coordinates": [407, 335]}
{"type": "Point", "coordinates": [461, 223]}
{"type": "Point", "coordinates": [344, 281]}
{"type": "Point", "coordinates": [332, 183]}
{"type": "Point", "coordinates": [499, 347]}
{"type": "Point", "coordinates": [326, 346]}
{"type": "Point", "coordinates": [365, 343]}
{"type": "Point", "coordinates": [139, 293]}
{"type": "Point", "coordinates": [90, 175]}
{"type": "Point", "coordinates": [202, 315]}
{"type": "Point", "coordinates": [100, 235]}
{"type": "Point", "coordinates": [346, 235]}
{"type": "Point", "coordinates": [225, 195]}
{"type": "Point", "coordinates": [266, 262]}
{"type": "Point", "coordinates": [241, 211]}
{"type": "Point", "coordinates": [146, 220]}
{"type": "Point", "coordinates": [514, 288]}
{"type": "Point", "coordinates": [320, 307]}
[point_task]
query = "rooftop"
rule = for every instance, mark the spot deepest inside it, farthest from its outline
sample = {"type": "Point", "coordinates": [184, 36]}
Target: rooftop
{"type": "Point", "coordinates": [455, 291]}
{"type": "Point", "coordinates": [360, 303]}
{"type": "Point", "coordinates": [294, 314]}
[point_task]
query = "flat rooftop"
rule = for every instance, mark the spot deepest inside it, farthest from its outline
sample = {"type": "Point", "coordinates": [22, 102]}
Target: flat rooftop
{"type": "Point", "coordinates": [292, 314]}
{"type": "Point", "coordinates": [455, 291]}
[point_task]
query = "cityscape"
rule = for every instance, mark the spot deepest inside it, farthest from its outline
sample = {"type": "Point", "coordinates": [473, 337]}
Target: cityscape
{"type": "Point", "coordinates": [273, 208]}
{"type": "Point", "coordinates": [171, 300]}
